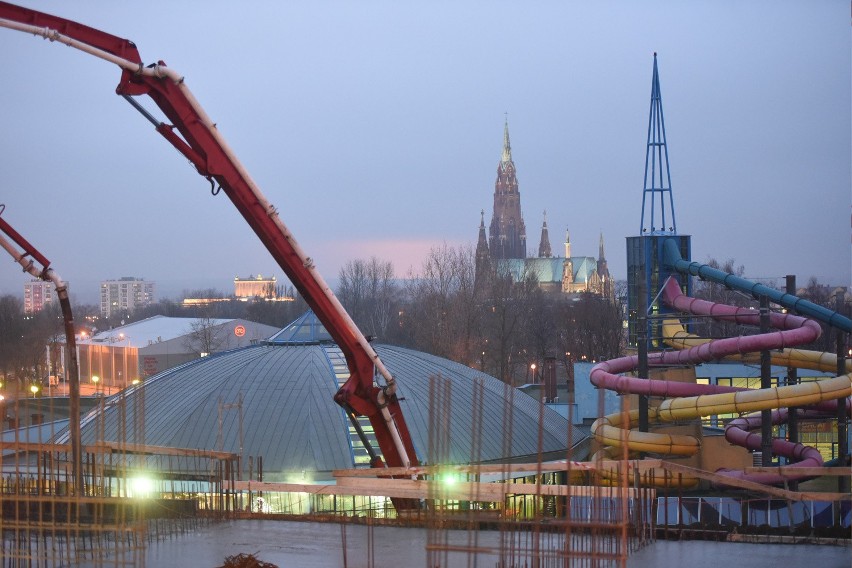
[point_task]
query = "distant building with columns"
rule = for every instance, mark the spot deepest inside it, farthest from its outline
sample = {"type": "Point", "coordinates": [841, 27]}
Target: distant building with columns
{"type": "Point", "coordinates": [256, 287]}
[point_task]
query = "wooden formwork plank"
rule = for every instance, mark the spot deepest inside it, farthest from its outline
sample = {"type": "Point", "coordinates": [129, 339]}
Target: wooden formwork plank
{"type": "Point", "coordinates": [757, 487]}
{"type": "Point", "coordinates": [117, 447]}
{"type": "Point", "coordinates": [792, 471]}
{"type": "Point", "coordinates": [519, 468]}
{"type": "Point", "coordinates": [417, 489]}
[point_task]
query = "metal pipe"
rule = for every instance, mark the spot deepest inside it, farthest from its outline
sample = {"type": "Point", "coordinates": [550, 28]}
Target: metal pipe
{"type": "Point", "coordinates": [672, 258]}
{"type": "Point", "coordinates": [48, 274]}
{"type": "Point", "coordinates": [163, 72]}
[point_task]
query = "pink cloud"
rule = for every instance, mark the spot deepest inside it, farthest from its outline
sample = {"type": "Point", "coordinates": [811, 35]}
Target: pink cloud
{"type": "Point", "coordinates": [404, 254]}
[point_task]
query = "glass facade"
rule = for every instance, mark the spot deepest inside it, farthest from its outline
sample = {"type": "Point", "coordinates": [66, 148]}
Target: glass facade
{"type": "Point", "coordinates": [645, 263]}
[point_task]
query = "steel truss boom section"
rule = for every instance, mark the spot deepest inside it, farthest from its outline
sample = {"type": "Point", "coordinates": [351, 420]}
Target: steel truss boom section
{"type": "Point", "coordinates": [194, 135]}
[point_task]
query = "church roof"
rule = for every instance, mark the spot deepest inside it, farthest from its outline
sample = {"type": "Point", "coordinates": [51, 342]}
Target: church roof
{"type": "Point", "coordinates": [549, 270]}
{"type": "Point", "coordinates": [584, 266]}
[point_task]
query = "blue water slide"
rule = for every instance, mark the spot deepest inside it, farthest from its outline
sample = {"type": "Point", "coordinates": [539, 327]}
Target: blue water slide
{"type": "Point", "coordinates": [673, 259]}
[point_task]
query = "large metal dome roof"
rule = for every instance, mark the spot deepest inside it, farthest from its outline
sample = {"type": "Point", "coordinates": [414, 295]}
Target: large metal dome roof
{"type": "Point", "coordinates": [284, 391]}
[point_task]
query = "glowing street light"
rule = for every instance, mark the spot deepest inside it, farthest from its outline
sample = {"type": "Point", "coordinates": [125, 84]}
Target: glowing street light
{"type": "Point", "coordinates": [95, 380]}
{"type": "Point", "coordinates": [34, 390]}
{"type": "Point", "coordinates": [141, 487]}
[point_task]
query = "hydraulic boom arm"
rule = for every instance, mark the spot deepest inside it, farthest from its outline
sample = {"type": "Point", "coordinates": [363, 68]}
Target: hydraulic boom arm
{"type": "Point", "coordinates": [195, 136]}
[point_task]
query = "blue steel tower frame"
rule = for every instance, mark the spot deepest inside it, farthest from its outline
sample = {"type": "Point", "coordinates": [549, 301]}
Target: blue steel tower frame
{"type": "Point", "coordinates": [658, 179]}
{"type": "Point", "coordinates": [646, 270]}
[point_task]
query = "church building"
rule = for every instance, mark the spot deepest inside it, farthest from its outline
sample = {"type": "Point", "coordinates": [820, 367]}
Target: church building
{"type": "Point", "coordinates": [506, 242]}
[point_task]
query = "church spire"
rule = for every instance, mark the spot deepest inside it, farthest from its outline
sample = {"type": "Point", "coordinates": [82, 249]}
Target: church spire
{"type": "Point", "coordinates": [544, 245]}
{"type": "Point", "coordinates": [567, 245]}
{"type": "Point", "coordinates": [507, 234]}
{"type": "Point", "coordinates": [606, 288]}
{"type": "Point", "coordinates": [482, 243]}
{"type": "Point", "coordinates": [506, 158]}
{"type": "Point", "coordinates": [483, 258]}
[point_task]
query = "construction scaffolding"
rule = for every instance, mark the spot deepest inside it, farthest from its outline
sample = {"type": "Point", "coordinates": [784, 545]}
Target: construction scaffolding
{"type": "Point", "coordinates": [130, 494]}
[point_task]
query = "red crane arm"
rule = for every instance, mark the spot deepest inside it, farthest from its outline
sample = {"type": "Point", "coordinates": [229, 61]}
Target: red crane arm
{"type": "Point", "coordinates": [197, 138]}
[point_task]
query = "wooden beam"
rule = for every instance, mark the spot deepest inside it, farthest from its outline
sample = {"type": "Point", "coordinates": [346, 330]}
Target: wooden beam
{"type": "Point", "coordinates": [116, 447]}
{"type": "Point", "coordinates": [515, 468]}
{"type": "Point", "coordinates": [416, 489]}
{"type": "Point", "coordinates": [792, 471]}
{"type": "Point", "coordinates": [757, 487]}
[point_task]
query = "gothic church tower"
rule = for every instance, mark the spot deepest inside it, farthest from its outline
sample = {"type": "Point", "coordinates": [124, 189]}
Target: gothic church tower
{"type": "Point", "coordinates": [507, 233]}
{"type": "Point", "coordinates": [544, 243]}
{"type": "Point", "coordinates": [483, 258]}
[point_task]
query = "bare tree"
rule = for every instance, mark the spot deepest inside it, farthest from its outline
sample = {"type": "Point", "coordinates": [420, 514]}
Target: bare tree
{"type": "Point", "coordinates": [718, 293]}
{"type": "Point", "coordinates": [541, 325]}
{"type": "Point", "coordinates": [467, 307]}
{"type": "Point", "coordinates": [505, 318]}
{"type": "Point", "coordinates": [368, 292]}
{"type": "Point", "coordinates": [205, 336]}
{"type": "Point", "coordinates": [382, 292]}
{"type": "Point", "coordinates": [591, 328]}
{"type": "Point", "coordinates": [11, 331]}
{"type": "Point", "coordinates": [817, 293]}
{"type": "Point", "coordinates": [352, 291]}
{"type": "Point", "coordinates": [441, 316]}
{"type": "Point", "coordinates": [821, 294]}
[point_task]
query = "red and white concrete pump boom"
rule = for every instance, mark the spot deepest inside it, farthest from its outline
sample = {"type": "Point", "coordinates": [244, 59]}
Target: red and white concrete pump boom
{"type": "Point", "coordinates": [195, 136]}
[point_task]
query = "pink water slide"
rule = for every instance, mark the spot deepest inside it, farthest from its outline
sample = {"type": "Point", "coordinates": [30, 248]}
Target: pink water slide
{"type": "Point", "coordinates": [685, 401]}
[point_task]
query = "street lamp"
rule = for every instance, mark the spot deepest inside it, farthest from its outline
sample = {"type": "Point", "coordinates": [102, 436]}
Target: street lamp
{"type": "Point", "coordinates": [95, 380]}
{"type": "Point", "coordinates": [34, 390]}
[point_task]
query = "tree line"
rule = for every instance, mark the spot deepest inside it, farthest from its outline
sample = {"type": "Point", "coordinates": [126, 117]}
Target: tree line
{"type": "Point", "coordinates": [485, 319]}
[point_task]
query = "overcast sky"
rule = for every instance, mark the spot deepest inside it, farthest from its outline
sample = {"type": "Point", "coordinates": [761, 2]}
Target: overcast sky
{"type": "Point", "coordinates": [376, 129]}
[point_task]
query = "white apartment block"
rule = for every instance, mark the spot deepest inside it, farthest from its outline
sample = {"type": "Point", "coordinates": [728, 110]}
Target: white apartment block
{"type": "Point", "coordinates": [37, 295]}
{"type": "Point", "coordinates": [125, 295]}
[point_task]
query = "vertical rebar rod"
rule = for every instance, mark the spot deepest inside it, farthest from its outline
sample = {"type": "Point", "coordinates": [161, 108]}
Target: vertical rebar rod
{"type": "Point", "coordinates": [642, 344]}
{"type": "Point", "coordinates": [842, 413]}
{"type": "Point", "coordinates": [765, 383]}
